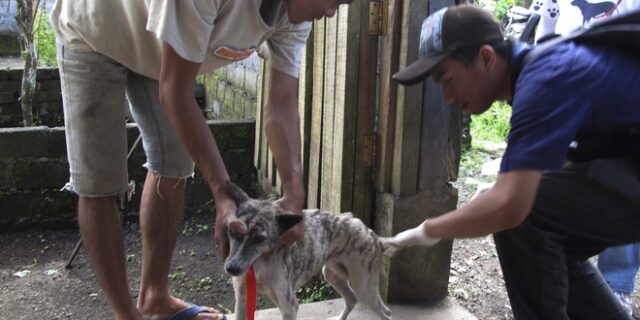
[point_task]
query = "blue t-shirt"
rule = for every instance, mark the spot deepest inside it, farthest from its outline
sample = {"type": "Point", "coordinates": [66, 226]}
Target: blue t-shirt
{"type": "Point", "coordinates": [568, 90]}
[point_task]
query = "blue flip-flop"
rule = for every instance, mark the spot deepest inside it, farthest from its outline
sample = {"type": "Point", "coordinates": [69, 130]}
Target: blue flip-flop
{"type": "Point", "coordinates": [190, 312]}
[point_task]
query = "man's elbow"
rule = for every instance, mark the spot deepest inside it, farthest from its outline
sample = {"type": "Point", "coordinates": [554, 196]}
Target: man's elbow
{"type": "Point", "coordinates": [514, 214]}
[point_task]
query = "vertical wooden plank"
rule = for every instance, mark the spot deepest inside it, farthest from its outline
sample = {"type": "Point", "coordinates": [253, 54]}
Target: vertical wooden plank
{"type": "Point", "coordinates": [328, 194]}
{"type": "Point", "coordinates": [406, 148]}
{"type": "Point", "coordinates": [389, 54]}
{"type": "Point", "coordinates": [366, 48]}
{"type": "Point", "coordinates": [259, 159]}
{"type": "Point", "coordinates": [348, 76]}
{"type": "Point", "coordinates": [315, 143]}
{"type": "Point", "coordinates": [455, 143]}
{"type": "Point", "coordinates": [441, 135]}
{"type": "Point", "coordinates": [305, 96]}
{"type": "Point", "coordinates": [435, 156]}
{"type": "Point", "coordinates": [339, 192]}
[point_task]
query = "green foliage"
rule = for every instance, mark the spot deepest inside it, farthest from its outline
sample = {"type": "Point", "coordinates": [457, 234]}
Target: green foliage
{"type": "Point", "coordinates": [500, 7]}
{"type": "Point", "coordinates": [470, 162]}
{"type": "Point", "coordinates": [205, 283]}
{"type": "Point", "coordinates": [45, 40]}
{"type": "Point", "coordinates": [178, 277]}
{"type": "Point", "coordinates": [317, 289]}
{"type": "Point", "coordinates": [493, 125]}
{"type": "Point", "coordinates": [472, 159]}
{"type": "Point", "coordinates": [193, 228]}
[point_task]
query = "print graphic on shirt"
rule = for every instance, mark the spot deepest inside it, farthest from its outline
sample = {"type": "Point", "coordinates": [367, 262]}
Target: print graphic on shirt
{"type": "Point", "coordinates": [537, 5]}
{"type": "Point", "coordinates": [233, 54]}
{"type": "Point", "coordinates": [596, 10]}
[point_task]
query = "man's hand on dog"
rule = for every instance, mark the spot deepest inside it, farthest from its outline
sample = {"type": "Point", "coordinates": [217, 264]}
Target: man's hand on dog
{"type": "Point", "coordinates": [294, 206]}
{"type": "Point", "coordinates": [226, 220]}
{"type": "Point", "coordinates": [409, 238]}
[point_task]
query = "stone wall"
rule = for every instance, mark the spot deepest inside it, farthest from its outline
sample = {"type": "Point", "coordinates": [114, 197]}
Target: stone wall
{"type": "Point", "coordinates": [47, 101]}
{"type": "Point", "coordinates": [9, 43]}
{"type": "Point", "coordinates": [231, 92]}
{"type": "Point", "coordinates": [33, 169]}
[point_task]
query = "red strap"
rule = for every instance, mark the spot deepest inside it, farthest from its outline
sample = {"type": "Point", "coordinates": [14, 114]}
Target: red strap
{"type": "Point", "coordinates": [251, 293]}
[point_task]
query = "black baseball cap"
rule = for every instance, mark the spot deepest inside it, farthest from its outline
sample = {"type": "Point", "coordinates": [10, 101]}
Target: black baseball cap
{"type": "Point", "coordinates": [445, 31]}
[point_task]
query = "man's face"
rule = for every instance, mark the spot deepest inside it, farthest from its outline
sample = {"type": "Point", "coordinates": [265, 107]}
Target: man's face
{"type": "Point", "coordinates": [467, 87]}
{"type": "Point", "coordinates": [309, 10]}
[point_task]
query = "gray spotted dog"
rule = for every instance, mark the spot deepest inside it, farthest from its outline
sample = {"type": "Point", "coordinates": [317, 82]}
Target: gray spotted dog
{"type": "Point", "coordinates": [348, 253]}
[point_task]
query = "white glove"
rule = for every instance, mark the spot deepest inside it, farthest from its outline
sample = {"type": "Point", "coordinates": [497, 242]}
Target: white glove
{"type": "Point", "coordinates": [409, 238]}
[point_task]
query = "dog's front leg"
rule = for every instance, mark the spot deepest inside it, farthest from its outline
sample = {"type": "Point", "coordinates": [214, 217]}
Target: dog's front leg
{"type": "Point", "coordinates": [285, 299]}
{"type": "Point", "coordinates": [240, 290]}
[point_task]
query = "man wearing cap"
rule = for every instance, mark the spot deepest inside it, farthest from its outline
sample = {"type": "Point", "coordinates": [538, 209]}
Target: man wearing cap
{"type": "Point", "coordinates": [569, 181]}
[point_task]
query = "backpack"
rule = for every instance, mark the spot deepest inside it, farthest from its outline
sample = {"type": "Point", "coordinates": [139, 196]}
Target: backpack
{"type": "Point", "coordinates": [621, 33]}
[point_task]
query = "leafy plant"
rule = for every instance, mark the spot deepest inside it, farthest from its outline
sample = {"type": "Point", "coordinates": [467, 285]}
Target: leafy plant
{"type": "Point", "coordinates": [493, 125]}
{"type": "Point", "coordinates": [45, 39]}
{"type": "Point", "coordinates": [317, 289]}
{"type": "Point", "coordinates": [500, 7]}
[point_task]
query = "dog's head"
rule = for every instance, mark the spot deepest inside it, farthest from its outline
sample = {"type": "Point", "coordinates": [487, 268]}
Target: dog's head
{"type": "Point", "coordinates": [265, 221]}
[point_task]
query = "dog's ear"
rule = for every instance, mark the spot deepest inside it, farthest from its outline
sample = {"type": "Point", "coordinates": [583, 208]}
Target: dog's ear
{"type": "Point", "coordinates": [286, 221]}
{"type": "Point", "coordinates": [236, 193]}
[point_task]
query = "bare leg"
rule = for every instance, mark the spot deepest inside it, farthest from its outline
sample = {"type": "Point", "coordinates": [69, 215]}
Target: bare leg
{"type": "Point", "coordinates": [102, 238]}
{"type": "Point", "coordinates": [161, 211]}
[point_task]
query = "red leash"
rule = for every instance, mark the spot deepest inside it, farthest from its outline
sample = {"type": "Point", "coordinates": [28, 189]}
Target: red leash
{"type": "Point", "coordinates": [251, 293]}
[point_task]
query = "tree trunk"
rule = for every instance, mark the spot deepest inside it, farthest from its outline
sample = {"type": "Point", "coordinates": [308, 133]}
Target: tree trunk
{"type": "Point", "coordinates": [25, 16]}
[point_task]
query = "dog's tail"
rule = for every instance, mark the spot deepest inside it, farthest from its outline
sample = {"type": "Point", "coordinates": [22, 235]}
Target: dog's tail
{"type": "Point", "coordinates": [389, 248]}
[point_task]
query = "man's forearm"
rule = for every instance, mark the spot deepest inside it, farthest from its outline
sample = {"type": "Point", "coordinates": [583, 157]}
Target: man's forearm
{"type": "Point", "coordinates": [282, 126]}
{"type": "Point", "coordinates": [502, 207]}
{"type": "Point", "coordinates": [176, 94]}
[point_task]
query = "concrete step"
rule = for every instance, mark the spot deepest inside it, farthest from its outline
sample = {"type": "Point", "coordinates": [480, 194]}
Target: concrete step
{"type": "Point", "coordinates": [445, 309]}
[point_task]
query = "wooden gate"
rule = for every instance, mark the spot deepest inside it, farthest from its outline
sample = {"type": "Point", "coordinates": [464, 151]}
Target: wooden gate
{"type": "Point", "coordinates": [337, 113]}
{"type": "Point", "coordinates": [343, 110]}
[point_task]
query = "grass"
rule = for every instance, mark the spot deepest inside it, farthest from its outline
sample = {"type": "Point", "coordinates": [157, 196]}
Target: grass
{"type": "Point", "coordinates": [493, 125]}
{"type": "Point", "coordinates": [489, 133]}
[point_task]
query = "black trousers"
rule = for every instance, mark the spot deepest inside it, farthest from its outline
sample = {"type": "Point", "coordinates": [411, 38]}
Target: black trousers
{"type": "Point", "coordinates": [578, 212]}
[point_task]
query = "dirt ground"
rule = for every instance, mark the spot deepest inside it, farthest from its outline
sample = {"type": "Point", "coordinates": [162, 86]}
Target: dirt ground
{"type": "Point", "coordinates": [35, 284]}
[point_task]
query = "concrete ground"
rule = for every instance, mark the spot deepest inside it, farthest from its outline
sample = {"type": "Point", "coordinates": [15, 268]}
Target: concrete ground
{"type": "Point", "coordinates": [446, 309]}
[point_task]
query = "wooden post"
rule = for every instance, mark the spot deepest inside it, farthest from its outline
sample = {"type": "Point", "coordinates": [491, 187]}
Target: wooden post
{"type": "Point", "coordinates": [417, 137]}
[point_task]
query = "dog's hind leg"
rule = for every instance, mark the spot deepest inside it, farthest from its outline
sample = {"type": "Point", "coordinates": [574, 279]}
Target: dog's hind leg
{"type": "Point", "coordinates": [366, 287]}
{"type": "Point", "coordinates": [341, 284]}
{"type": "Point", "coordinates": [240, 291]}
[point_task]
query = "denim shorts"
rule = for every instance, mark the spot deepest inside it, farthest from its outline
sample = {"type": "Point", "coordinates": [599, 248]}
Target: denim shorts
{"type": "Point", "coordinates": [95, 89]}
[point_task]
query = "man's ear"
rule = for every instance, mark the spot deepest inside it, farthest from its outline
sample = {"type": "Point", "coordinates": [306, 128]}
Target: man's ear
{"type": "Point", "coordinates": [287, 221]}
{"type": "Point", "coordinates": [487, 57]}
{"type": "Point", "coordinates": [236, 193]}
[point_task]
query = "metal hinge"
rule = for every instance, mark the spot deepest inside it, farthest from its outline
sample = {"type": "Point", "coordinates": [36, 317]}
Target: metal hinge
{"type": "Point", "coordinates": [378, 17]}
{"type": "Point", "coordinates": [369, 150]}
